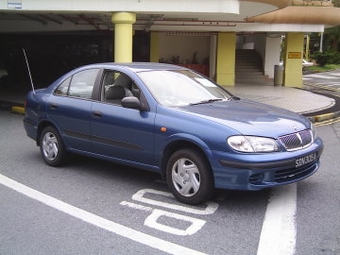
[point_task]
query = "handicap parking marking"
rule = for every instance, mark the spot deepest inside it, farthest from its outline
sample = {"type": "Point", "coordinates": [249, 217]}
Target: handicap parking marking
{"type": "Point", "coordinates": [210, 207]}
{"type": "Point", "coordinates": [151, 221]}
{"type": "Point", "coordinates": [194, 227]}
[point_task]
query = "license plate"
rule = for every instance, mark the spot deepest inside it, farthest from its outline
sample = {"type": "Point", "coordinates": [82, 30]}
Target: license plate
{"type": "Point", "coordinates": [305, 160]}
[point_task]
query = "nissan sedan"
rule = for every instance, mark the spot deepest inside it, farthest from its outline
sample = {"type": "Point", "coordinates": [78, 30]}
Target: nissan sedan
{"type": "Point", "coordinates": [173, 121]}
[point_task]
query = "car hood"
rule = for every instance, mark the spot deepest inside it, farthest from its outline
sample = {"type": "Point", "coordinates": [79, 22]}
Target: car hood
{"type": "Point", "coordinates": [250, 118]}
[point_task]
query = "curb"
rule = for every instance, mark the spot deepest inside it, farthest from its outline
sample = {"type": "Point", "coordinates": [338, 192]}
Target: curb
{"type": "Point", "coordinates": [324, 117]}
{"type": "Point", "coordinates": [18, 109]}
{"type": "Point", "coordinates": [12, 107]}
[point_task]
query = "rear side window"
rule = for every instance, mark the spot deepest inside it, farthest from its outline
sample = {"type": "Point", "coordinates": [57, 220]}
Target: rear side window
{"type": "Point", "coordinates": [79, 85]}
{"type": "Point", "coordinates": [63, 88]}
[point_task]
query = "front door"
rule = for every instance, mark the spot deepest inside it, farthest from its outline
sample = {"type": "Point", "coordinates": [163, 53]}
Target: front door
{"type": "Point", "coordinates": [122, 133]}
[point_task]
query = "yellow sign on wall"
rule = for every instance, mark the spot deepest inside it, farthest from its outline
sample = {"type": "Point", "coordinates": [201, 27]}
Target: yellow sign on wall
{"type": "Point", "coordinates": [294, 55]}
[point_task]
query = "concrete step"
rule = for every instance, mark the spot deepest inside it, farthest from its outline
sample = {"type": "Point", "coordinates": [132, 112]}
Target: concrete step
{"type": "Point", "coordinates": [248, 67]}
{"type": "Point", "coordinates": [249, 75]}
{"type": "Point", "coordinates": [262, 80]}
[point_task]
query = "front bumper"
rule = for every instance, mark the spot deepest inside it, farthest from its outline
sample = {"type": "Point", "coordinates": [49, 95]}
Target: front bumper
{"type": "Point", "coordinates": [258, 171]}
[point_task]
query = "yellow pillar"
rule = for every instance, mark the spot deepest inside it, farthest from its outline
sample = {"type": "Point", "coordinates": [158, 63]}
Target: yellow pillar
{"type": "Point", "coordinates": [307, 47]}
{"type": "Point", "coordinates": [293, 60]}
{"type": "Point", "coordinates": [123, 35]}
{"type": "Point", "coordinates": [154, 47]}
{"type": "Point", "coordinates": [225, 67]}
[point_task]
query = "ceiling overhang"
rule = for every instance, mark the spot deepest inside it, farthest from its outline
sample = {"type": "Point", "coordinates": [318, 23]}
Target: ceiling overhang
{"type": "Point", "coordinates": [277, 3]}
{"type": "Point", "coordinates": [215, 15]}
{"type": "Point", "coordinates": [300, 15]}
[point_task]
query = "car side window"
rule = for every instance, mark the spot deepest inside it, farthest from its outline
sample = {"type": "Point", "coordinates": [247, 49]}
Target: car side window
{"type": "Point", "coordinates": [82, 83]}
{"type": "Point", "coordinates": [79, 85]}
{"type": "Point", "coordinates": [115, 87]}
{"type": "Point", "coordinates": [63, 87]}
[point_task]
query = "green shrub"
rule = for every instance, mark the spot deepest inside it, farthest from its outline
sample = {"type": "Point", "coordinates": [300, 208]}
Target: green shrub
{"type": "Point", "coordinates": [327, 57]}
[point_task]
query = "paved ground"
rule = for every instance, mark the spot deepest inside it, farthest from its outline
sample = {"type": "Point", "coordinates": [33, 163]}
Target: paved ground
{"type": "Point", "coordinates": [293, 99]}
{"type": "Point", "coordinates": [327, 80]}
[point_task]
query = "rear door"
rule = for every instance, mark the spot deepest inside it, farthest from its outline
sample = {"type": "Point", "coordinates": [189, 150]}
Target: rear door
{"type": "Point", "coordinates": [70, 109]}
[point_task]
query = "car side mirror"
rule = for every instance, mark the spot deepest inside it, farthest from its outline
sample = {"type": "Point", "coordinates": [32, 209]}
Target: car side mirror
{"type": "Point", "coordinates": [131, 102]}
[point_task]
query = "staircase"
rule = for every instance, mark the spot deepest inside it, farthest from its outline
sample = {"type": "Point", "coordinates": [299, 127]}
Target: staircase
{"type": "Point", "coordinates": [249, 68]}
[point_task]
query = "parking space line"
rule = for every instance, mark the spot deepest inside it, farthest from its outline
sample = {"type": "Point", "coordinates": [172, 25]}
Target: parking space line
{"type": "Point", "coordinates": [98, 221]}
{"type": "Point", "coordinates": [278, 235]}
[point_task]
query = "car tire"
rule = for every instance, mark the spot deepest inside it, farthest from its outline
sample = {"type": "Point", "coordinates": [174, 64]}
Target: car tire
{"type": "Point", "coordinates": [52, 147]}
{"type": "Point", "coordinates": [189, 176]}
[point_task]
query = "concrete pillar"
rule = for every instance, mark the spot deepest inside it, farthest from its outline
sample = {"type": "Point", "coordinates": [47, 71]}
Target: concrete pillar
{"type": "Point", "coordinates": [272, 55]}
{"type": "Point", "coordinates": [293, 60]}
{"type": "Point", "coordinates": [154, 47]}
{"type": "Point", "coordinates": [307, 47]}
{"type": "Point", "coordinates": [213, 57]}
{"type": "Point", "coordinates": [123, 35]}
{"type": "Point", "coordinates": [225, 68]}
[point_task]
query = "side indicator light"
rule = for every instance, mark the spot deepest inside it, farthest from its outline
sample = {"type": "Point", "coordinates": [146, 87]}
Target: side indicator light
{"type": "Point", "coordinates": [163, 129]}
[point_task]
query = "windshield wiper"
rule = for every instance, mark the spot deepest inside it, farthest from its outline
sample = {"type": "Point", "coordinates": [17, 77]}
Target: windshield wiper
{"type": "Point", "coordinates": [207, 101]}
{"type": "Point", "coordinates": [234, 98]}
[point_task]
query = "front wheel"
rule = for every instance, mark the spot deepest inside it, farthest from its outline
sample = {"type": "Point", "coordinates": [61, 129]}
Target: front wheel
{"type": "Point", "coordinates": [189, 176]}
{"type": "Point", "coordinates": [52, 147]}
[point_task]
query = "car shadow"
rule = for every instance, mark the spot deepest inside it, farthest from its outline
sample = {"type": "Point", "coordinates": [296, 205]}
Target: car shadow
{"type": "Point", "coordinates": [109, 170]}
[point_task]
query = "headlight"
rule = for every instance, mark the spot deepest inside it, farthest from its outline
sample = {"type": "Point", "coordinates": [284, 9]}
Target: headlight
{"type": "Point", "coordinates": [252, 144]}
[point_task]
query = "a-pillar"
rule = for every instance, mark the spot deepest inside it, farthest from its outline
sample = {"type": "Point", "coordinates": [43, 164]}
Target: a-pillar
{"type": "Point", "coordinates": [154, 47]}
{"type": "Point", "coordinates": [293, 60]}
{"type": "Point", "coordinates": [123, 35]}
{"type": "Point", "coordinates": [225, 68]}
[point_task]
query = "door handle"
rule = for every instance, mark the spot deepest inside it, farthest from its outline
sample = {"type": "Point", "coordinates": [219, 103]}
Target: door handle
{"type": "Point", "coordinates": [97, 114]}
{"type": "Point", "coordinates": [53, 106]}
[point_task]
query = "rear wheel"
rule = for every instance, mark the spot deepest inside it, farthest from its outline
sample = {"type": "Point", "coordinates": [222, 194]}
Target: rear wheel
{"type": "Point", "coordinates": [52, 147]}
{"type": "Point", "coordinates": [189, 176]}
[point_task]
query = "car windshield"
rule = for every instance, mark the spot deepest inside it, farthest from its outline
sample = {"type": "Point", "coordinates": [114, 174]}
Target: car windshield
{"type": "Point", "coordinates": [182, 87]}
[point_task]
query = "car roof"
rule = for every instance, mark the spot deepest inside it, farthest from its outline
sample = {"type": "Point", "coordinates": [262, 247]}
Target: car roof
{"type": "Point", "coordinates": [138, 66]}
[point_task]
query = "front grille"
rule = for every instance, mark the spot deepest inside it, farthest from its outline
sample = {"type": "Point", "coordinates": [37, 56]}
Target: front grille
{"type": "Point", "coordinates": [292, 174]}
{"type": "Point", "coordinates": [297, 140]}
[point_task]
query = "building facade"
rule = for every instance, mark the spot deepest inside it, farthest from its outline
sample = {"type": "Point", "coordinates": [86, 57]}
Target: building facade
{"type": "Point", "coordinates": [209, 36]}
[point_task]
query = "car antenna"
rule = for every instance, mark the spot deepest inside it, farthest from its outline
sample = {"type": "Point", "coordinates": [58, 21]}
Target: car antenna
{"type": "Point", "coordinates": [28, 69]}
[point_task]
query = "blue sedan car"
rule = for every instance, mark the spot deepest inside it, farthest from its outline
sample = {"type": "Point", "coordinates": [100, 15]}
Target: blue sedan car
{"type": "Point", "coordinates": [173, 121]}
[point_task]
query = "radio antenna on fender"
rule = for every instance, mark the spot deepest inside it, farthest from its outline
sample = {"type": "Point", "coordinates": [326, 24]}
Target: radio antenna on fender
{"type": "Point", "coordinates": [28, 68]}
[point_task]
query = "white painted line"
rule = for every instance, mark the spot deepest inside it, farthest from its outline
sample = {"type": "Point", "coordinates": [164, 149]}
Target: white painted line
{"type": "Point", "coordinates": [98, 221]}
{"type": "Point", "coordinates": [278, 235]}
